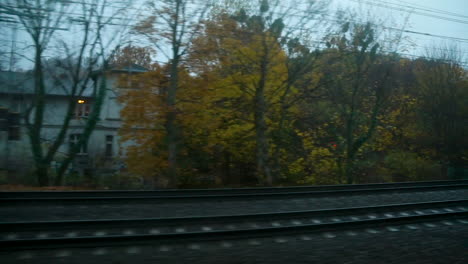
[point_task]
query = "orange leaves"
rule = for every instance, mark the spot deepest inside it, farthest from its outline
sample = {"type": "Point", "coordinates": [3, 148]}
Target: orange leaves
{"type": "Point", "coordinates": [131, 55]}
{"type": "Point", "coordinates": [143, 122]}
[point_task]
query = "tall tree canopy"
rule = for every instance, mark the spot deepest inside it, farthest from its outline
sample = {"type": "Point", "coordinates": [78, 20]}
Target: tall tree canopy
{"type": "Point", "coordinates": [258, 104]}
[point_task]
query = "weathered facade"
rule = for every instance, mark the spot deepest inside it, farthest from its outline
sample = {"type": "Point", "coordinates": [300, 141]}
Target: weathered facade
{"type": "Point", "coordinates": [104, 152]}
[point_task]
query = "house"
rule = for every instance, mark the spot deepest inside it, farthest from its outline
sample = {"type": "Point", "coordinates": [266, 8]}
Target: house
{"type": "Point", "coordinates": [104, 151]}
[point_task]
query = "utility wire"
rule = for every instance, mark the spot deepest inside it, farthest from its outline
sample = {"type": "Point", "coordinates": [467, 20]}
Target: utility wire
{"type": "Point", "coordinates": [305, 29]}
{"type": "Point", "coordinates": [379, 4]}
{"type": "Point", "coordinates": [424, 8]}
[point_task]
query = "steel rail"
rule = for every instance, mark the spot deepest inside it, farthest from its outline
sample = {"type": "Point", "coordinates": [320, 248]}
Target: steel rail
{"type": "Point", "coordinates": [132, 223]}
{"type": "Point", "coordinates": [145, 239]}
{"type": "Point", "coordinates": [249, 196]}
{"type": "Point", "coordinates": [94, 225]}
{"type": "Point", "coordinates": [231, 191]}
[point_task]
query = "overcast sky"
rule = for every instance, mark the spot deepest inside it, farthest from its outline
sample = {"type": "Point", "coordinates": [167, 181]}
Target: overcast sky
{"type": "Point", "coordinates": [447, 18]}
{"type": "Point", "coordinates": [421, 19]}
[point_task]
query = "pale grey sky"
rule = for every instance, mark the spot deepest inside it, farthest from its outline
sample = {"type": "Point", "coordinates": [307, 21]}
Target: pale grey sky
{"type": "Point", "coordinates": [447, 18]}
{"type": "Point", "coordinates": [426, 16]}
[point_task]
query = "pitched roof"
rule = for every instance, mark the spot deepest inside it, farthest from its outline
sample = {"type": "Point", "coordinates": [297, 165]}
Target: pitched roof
{"type": "Point", "coordinates": [132, 68]}
{"type": "Point", "coordinates": [23, 83]}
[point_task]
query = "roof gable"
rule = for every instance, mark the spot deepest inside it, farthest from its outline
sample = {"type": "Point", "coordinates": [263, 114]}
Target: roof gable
{"type": "Point", "coordinates": [132, 68]}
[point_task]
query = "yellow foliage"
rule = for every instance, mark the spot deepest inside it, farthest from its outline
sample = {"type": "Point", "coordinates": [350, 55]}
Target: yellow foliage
{"type": "Point", "coordinates": [321, 162]}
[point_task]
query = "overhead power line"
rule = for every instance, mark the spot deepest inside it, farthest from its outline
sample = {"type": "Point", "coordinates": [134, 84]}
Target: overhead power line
{"type": "Point", "coordinates": [387, 5]}
{"type": "Point", "coordinates": [462, 40]}
{"type": "Point", "coordinates": [429, 35]}
{"type": "Point", "coordinates": [333, 20]}
{"type": "Point", "coordinates": [426, 8]}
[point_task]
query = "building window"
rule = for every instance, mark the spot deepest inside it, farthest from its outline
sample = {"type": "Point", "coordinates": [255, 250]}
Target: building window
{"type": "Point", "coordinates": [74, 139]}
{"type": "Point", "coordinates": [14, 126]}
{"type": "Point", "coordinates": [14, 133]}
{"type": "Point", "coordinates": [82, 109]}
{"type": "Point", "coordinates": [109, 145]}
{"type": "Point", "coordinates": [16, 105]}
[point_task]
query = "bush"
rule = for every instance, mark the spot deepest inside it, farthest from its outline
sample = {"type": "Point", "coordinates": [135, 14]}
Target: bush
{"type": "Point", "coordinates": [409, 166]}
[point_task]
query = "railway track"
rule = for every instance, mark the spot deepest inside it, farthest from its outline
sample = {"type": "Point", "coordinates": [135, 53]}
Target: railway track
{"type": "Point", "coordinates": [233, 192]}
{"type": "Point", "coordinates": [76, 240]}
{"type": "Point", "coordinates": [226, 195]}
{"type": "Point", "coordinates": [182, 247]}
{"type": "Point", "coordinates": [178, 225]}
{"type": "Point", "coordinates": [59, 247]}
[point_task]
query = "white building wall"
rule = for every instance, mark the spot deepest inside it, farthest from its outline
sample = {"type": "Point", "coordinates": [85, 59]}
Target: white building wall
{"type": "Point", "coordinates": [17, 155]}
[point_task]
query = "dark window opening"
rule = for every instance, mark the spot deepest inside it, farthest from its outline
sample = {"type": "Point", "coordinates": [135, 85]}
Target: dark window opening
{"type": "Point", "coordinates": [14, 133]}
{"type": "Point", "coordinates": [13, 126]}
{"type": "Point", "coordinates": [109, 145]}
{"type": "Point", "coordinates": [74, 139]}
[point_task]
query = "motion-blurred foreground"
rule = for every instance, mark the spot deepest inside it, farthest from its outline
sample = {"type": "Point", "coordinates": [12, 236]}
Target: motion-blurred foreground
{"type": "Point", "coordinates": [420, 222]}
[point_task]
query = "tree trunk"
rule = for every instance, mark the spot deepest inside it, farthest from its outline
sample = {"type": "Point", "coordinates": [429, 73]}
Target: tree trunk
{"type": "Point", "coordinates": [88, 130]}
{"type": "Point", "coordinates": [171, 129]}
{"type": "Point", "coordinates": [279, 139]}
{"type": "Point", "coordinates": [349, 148]}
{"type": "Point", "coordinates": [349, 170]}
{"type": "Point", "coordinates": [34, 130]}
{"type": "Point", "coordinates": [263, 168]}
{"type": "Point", "coordinates": [226, 175]}
{"type": "Point", "coordinates": [42, 174]}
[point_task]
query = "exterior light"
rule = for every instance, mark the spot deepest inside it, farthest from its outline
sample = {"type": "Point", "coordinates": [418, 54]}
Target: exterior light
{"type": "Point", "coordinates": [81, 101]}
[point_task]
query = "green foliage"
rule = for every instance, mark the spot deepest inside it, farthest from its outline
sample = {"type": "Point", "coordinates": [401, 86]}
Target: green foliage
{"type": "Point", "coordinates": [409, 166]}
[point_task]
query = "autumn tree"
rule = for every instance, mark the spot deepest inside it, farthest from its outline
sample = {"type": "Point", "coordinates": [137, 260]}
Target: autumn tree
{"type": "Point", "coordinates": [442, 97]}
{"type": "Point", "coordinates": [174, 23]}
{"type": "Point", "coordinates": [258, 103]}
{"type": "Point", "coordinates": [143, 126]}
{"type": "Point", "coordinates": [359, 93]}
{"type": "Point", "coordinates": [250, 46]}
{"type": "Point", "coordinates": [128, 55]}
